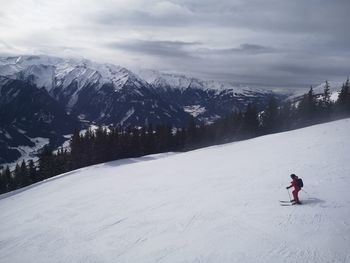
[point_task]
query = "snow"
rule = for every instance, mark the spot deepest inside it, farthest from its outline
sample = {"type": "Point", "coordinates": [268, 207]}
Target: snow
{"type": "Point", "coordinates": [334, 87]}
{"type": "Point", "coordinates": [334, 96]}
{"type": "Point", "coordinates": [216, 204]}
{"type": "Point", "coordinates": [93, 128]}
{"type": "Point", "coordinates": [211, 119]}
{"type": "Point", "coordinates": [194, 110]}
{"type": "Point", "coordinates": [44, 75]}
{"type": "Point", "coordinates": [7, 135]}
{"type": "Point", "coordinates": [181, 82]}
{"type": "Point", "coordinates": [127, 115]}
{"type": "Point", "coordinates": [28, 152]}
{"type": "Point", "coordinates": [66, 144]}
{"type": "Point", "coordinates": [21, 131]}
{"type": "Point", "coordinates": [50, 72]}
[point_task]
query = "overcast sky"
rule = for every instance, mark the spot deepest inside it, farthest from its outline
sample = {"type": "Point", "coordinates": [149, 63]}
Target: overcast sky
{"type": "Point", "coordinates": [269, 43]}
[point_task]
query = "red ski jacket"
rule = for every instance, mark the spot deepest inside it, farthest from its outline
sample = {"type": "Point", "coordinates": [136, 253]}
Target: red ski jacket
{"type": "Point", "coordinates": [295, 184]}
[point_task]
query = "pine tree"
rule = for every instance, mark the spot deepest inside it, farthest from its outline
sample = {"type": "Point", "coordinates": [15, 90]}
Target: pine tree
{"type": "Point", "coordinates": [191, 134]}
{"type": "Point", "coordinates": [87, 154]}
{"type": "Point", "coordinates": [100, 145]}
{"type": "Point", "coordinates": [287, 113]}
{"type": "Point", "coordinates": [24, 175]}
{"type": "Point", "coordinates": [33, 176]}
{"type": "Point", "coordinates": [7, 178]}
{"type": "Point", "coordinates": [238, 123]}
{"type": "Point", "coordinates": [115, 146]}
{"type": "Point", "coordinates": [270, 117]}
{"type": "Point", "coordinates": [250, 123]}
{"type": "Point", "coordinates": [46, 163]}
{"type": "Point", "coordinates": [76, 146]}
{"type": "Point", "coordinates": [343, 102]}
{"type": "Point", "coordinates": [326, 94]}
{"type": "Point", "coordinates": [307, 108]}
{"type": "Point", "coordinates": [180, 139]}
{"type": "Point", "coordinates": [326, 102]}
{"type": "Point", "coordinates": [2, 182]}
{"type": "Point", "coordinates": [150, 140]}
{"type": "Point", "coordinates": [16, 178]}
{"type": "Point", "coordinates": [143, 138]}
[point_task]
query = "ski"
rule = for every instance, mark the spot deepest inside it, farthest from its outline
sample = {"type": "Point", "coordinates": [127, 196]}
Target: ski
{"type": "Point", "coordinates": [287, 204]}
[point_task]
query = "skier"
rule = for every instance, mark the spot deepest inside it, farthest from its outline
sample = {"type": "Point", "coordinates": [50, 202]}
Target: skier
{"type": "Point", "coordinates": [296, 190]}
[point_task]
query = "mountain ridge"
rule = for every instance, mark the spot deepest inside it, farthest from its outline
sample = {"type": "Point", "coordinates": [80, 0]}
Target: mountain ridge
{"type": "Point", "coordinates": [75, 82]}
{"type": "Point", "coordinates": [108, 94]}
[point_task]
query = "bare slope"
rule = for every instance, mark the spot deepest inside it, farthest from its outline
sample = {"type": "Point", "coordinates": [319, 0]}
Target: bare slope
{"type": "Point", "coordinates": [218, 204]}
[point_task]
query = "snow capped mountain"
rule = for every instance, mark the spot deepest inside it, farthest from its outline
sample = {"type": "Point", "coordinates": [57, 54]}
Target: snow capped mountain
{"type": "Point", "coordinates": [96, 93]}
{"type": "Point", "coordinates": [57, 75]}
{"type": "Point", "coordinates": [206, 100]}
{"type": "Point", "coordinates": [107, 94]}
{"type": "Point", "coordinates": [208, 205]}
{"type": "Point", "coordinates": [110, 94]}
{"type": "Point", "coordinates": [101, 93]}
{"type": "Point", "coordinates": [182, 82]}
{"type": "Point", "coordinates": [65, 70]}
{"type": "Point", "coordinates": [50, 72]}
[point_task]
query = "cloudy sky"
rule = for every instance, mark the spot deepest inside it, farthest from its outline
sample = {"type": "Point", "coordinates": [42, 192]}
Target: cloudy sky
{"type": "Point", "coordinates": [270, 43]}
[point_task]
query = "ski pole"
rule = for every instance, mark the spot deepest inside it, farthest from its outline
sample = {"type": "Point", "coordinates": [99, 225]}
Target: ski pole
{"type": "Point", "coordinates": [305, 192]}
{"type": "Point", "coordinates": [290, 199]}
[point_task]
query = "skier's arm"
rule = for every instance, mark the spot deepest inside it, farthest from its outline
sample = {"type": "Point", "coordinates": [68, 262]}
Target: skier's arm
{"type": "Point", "coordinates": [293, 184]}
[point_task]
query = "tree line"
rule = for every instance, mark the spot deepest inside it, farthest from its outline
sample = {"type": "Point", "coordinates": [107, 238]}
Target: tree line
{"type": "Point", "coordinates": [107, 144]}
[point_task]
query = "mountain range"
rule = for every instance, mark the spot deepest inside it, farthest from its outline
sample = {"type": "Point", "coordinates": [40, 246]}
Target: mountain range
{"type": "Point", "coordinates": [48, 97]}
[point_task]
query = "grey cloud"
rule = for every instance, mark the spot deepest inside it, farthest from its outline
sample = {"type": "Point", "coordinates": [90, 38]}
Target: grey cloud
{"type": "Point", "coordinates": [287, 43]}
{"type": "Point", "coordinates": [243, 49]}
{"type": "Point", "coordinates": [139, 18]}
{"type": "Point", "coordinates": [185, 49]}
{"type": "Point", "coordinates": [155, 48]}
{"type": "Point", "coordinates": [162, 14]}
{"type": "Point", "coordinates": [266, 43]}
{"type": "Point", "coordinates": [313, 69]}
{"type": "Point", "coordinates": [299, 16]}
{"type": "Point", "coordinates": [252, 47]}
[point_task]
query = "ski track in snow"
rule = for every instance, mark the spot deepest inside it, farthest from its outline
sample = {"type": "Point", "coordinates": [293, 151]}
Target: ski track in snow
{"type": "Point", "coordinates": [217, 204]}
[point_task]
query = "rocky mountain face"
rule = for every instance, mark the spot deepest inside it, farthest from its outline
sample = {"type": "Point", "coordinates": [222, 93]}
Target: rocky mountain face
{"type": "Point", "coordinates": [27, 112]}
{"type": "Point", "coordinates": [47, 97]}
{"type": "Point", "coordinates": [205, 100]}
{"type": "Point", "coordinates": [99, 93]}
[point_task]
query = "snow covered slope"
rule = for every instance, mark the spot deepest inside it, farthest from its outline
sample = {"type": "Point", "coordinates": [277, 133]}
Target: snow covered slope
{"type": "Point", "coordinates": [217, 204]}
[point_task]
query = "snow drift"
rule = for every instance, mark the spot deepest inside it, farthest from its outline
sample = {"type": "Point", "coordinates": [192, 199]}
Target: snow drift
{"type": "Point", "coordinates": [217, 204]}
